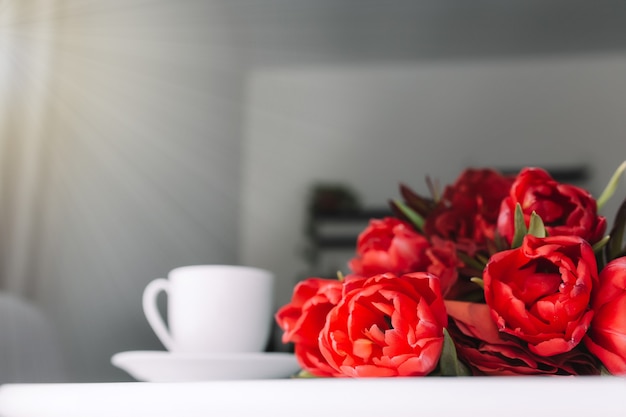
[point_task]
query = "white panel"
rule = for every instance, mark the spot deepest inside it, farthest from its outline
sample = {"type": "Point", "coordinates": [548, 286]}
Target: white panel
{"type": "Point", "coordinates": [331, 397]}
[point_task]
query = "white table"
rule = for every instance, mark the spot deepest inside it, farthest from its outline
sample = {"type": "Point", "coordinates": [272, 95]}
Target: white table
{"type": "Point", "coordinates": [463, 397]}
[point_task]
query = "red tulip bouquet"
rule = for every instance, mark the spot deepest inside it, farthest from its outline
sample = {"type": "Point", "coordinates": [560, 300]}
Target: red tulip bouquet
{"type": "Point", "coordinates": [496, 275]}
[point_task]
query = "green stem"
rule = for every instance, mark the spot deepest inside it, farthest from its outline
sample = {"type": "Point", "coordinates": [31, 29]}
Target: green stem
{"type": "Point", "coordinates": [611, 186]}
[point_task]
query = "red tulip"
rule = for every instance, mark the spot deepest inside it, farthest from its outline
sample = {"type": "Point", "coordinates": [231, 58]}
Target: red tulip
{"type": "Point", "coordinates": [607, 336]}
{"type": "Point", "coordinates": [540, 292]}
{"type": "Point", "coordinates": [389, 326]}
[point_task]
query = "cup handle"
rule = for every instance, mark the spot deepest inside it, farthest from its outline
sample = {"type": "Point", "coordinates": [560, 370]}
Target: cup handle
{"type": "Point", "coordinates": [151, 311]}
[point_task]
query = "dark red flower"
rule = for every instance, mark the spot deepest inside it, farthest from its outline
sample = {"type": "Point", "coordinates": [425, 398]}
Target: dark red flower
{"type": "Point", "coordinates": [486, 351]}
{"type": "Point", "coordinates": [468, 210]}
{"type": "Point", "coordinates": [443, 263]}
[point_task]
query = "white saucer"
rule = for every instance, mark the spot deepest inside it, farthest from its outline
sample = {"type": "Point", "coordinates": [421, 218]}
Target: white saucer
{"type": "Point", "coordinates": [163, 366]}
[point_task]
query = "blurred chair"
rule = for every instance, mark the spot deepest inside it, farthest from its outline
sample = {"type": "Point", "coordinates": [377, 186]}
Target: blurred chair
{"type": "Point", "coordinates": [29, 349]}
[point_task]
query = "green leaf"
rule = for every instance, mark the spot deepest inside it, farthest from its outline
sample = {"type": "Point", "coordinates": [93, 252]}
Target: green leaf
{"type": "Point", "coordinates": [305, 374]}
{"type": "Point", "coordinates": [412, 215]}
{"type": "Point", "coordinates": [433, 187]}
{"type": "Point", "coordinates": [520, 227]}
{"type": "Point", "coordinates": [422, 205]}
{"type": "Point", "coordinates": [482, 259]}
{"type": "Point", "coordinates": [471, 262]}
{"type": "Point", "coordinates": [614, 247]}
{"type": "Point", "coordinates": [449, 362]}
{"type": "Point", "coordinates": [604, 371]}
{"type": "Point", "coordinates": [610, 188]}
{"type": "Point", "coordinates": [536, 227]}
{"type": "Point", "coordinates": [597, 247]}
{"type": "Point", "coordinates": [478, 281]}
{"type": "Point", "coordinates": [500, 242]}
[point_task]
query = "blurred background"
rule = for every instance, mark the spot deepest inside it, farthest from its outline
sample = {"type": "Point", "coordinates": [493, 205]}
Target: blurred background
{"type": "Point", "coordinates": [141, 135]}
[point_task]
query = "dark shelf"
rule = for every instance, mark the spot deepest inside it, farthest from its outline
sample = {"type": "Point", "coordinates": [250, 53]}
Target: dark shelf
{"type": "Point", "coordinates": [571, 173]}
{"type": "Point", "coordinates": [356, 216]}
{"type": "Point", "coordinates": [335, 242]}
{"type": "Point", "coordinates": [340, 230]}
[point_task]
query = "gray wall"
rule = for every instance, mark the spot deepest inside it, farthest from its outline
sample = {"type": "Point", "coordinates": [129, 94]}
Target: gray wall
{"type": "Point", "coordinates": [146, 112]}
{"type": "Point", "coordinates": [142, 166]}
{"type": "Point", "coordinates": [296, 32]}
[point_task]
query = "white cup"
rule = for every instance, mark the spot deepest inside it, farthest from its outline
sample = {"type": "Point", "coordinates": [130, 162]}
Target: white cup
{"type": "Point", "coordinates": [212, 309]}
